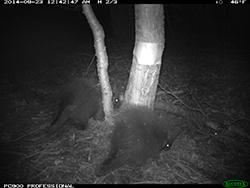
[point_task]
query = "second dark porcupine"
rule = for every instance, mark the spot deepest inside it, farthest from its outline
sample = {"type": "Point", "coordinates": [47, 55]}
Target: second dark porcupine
{"type": "Point", "coordinates": [139, 134]}
{"type": "Point", "coordinates": [79, 101]}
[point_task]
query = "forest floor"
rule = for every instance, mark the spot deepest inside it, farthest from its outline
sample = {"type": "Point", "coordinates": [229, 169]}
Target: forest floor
{"type": "Point", "coordinates": [212, 80]}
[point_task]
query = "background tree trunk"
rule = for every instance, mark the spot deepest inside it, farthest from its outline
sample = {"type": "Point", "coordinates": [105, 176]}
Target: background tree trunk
{"type": "Point", "coordinates": [102, 58]}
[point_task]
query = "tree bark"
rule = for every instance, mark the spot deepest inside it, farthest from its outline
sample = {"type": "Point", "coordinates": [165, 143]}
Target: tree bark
{"type": "Point", "coordinates": [149, 46]}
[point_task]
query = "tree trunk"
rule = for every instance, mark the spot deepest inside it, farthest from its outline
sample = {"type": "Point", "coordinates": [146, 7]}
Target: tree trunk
{"type": "Point", "coordinates": [102, 58]}
{"type": "Point", "coordinates": [149, 46]}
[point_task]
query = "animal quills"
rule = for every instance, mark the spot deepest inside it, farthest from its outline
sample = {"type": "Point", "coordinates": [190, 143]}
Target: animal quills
{"type": "Point", "coordinates": [139, 134]}
{"type": "Point", "coordinates": [78, 101]}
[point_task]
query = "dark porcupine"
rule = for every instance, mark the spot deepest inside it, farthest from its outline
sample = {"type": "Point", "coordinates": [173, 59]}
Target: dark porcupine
{"type": "Point", "coordinates": [79, 101]}
{"type": "Point", "coordinates": [139, 134]}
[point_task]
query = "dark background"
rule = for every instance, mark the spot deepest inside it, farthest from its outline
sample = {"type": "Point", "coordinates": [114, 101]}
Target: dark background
{"type": "Point", "coordinates": [31, 34]}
